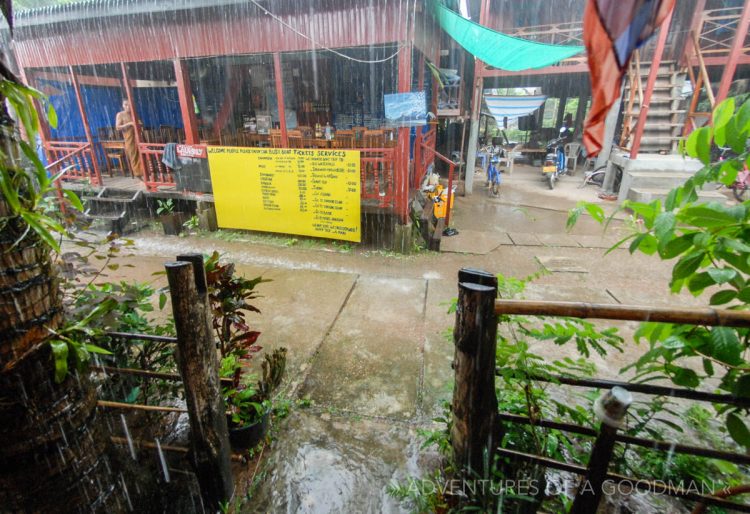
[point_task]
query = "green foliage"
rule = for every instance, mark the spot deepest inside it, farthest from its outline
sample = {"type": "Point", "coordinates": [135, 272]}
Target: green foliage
{"type": "Point", "coordinates": [193, 223]}
{"type": "Point", "coordinates": [24, 181]}
{"type": "Point", "coordinates": [519, 391]}
{"type": "Point", "coordinates": [709, 244]}
{"type": "Point", "coordinates": [165, 207]}
{"type": "Point", "coordinates": [94, 307]}
{"type": "Point", "coordinates": [229, 296]}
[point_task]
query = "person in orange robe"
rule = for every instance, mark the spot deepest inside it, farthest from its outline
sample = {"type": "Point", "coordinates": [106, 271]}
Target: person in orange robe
{"type": "Point", "coordinates": [124, 123]}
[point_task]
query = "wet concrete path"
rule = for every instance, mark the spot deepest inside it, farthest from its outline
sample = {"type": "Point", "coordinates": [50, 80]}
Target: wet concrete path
{"type": "Point", "coordinates": [368, 333]}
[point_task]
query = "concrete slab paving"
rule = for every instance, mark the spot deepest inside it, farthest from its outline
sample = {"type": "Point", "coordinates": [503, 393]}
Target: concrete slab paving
{"type": "Point", "coordinates": [524, 239]}
{"type": "Point", "coordinates": [328, 464]}
{"type": "Point", "coordinates": [370, 362]}
{"type": "Point", "coordinates": [438, 349]}
{"type": "Point", "coordinates": [297, 310]}
{"type": "Point", "coordinates": [474, 241]}
{"type": "Point", "coordinates": [562, 240]}
{"type": "Point", "coordinates": [558, 264]}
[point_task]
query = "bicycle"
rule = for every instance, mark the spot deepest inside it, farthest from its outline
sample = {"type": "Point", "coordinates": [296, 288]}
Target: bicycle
{"type": "Point", "coordinates": [595, 177]}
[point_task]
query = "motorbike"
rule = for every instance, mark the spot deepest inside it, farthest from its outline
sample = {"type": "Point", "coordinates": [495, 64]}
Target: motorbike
{"type": "Point", "coordinates": [742, 182]}
{"type": "Point", "coordinates": [493, 169]}
{"type": "Point", "coordinates": [555, 165]}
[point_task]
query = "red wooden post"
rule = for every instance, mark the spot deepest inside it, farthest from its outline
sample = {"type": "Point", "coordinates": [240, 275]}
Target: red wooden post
{"type": "Point", "coordinates": [97, 179]}
{"type": "Point", "coordinates": [185, 94]}
{"type": "Point", "coordinates": [734, 53]}
{"type": "Point", "coordinates": [402, 164]}
{"type": "Point", "coordinates": [418, 160]}
{"type": "Point", "coordinates": [696, 25]}
{"type": "Point", "coordinates": [280, 98]}
{"type": "Point", "coordinates": [655, 63]}
{"type": "Point", "coordinates": [236, 80]}
{"type": "Point", "coordinates": [451, 167]}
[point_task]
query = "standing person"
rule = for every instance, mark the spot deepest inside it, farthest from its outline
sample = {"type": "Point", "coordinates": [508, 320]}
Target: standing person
{"type": "Point", "coordinates": [124, 123]}
{"type": "Point", "coordinates": [567, 129]}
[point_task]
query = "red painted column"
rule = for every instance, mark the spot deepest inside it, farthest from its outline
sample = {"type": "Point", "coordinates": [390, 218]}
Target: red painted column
{"type": "Point", "coordinates": [734, 53]}
{"type": "Point", "coordinates": [280, 98]}
{"type": "Point", "coordinates": [402, 165]}
{"type": "Point", "coordinates": [655, 63]}
{"type": "Point", "coordinates": [86, 128]}
{"type": "Point", "coordinates": [185, 94]}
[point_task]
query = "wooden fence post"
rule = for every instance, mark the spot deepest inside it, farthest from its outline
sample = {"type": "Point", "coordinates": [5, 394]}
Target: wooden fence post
{"type": "Point", "coordinates": [198, 365]}
{"type": "Point", "coordinates": [474, 400]}
{"type": "Point", "coordinates": [610, 408]}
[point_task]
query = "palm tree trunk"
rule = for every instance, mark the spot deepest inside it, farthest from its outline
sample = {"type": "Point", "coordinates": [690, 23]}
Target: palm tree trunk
{"type": "Point", "coordinates": [51, 446]}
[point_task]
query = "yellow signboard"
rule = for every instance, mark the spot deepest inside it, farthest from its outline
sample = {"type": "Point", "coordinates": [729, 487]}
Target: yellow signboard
{"type": "Point", "coordinates": [287, 190]}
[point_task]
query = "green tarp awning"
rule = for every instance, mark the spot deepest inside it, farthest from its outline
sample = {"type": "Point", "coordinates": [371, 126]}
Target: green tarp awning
{"type": "Point", "coordinates": [497, 49]}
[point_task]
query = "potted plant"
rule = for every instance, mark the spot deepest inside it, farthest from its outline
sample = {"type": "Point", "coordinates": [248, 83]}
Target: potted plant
{"type": "Point", "coordinates": [229, 296]}
{"type": "Point", "coordinates": [171, 221]}
{"type": "Point", "coordinates": [249, 404]}
{"type": "Point", "coordinates": [248, 401]}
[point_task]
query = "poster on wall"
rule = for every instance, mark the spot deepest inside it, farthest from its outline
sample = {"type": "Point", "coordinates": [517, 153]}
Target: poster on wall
{"type": "Point", "coordinates": [190, 167]}
{"type": "Point", "coordinates": [405, 109]}
{"type": "Point", "coordinates": [288, 191]}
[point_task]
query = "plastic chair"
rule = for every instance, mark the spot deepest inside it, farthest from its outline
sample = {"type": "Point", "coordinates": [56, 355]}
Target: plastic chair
{"type": "Point", "coordinates": [571, 154]}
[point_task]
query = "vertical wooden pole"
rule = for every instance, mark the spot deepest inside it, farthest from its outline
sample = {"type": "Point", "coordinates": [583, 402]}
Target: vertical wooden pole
{"type": "Point", "coordinates": [199, 368]}
{"type": "Point", "coordinates": [402, 163]}
{"type": "Point", "coordinates": [280, 98]}
{"type": "Point", "coordinates": [474, 401]}
{"type": "Point", "coordinates": [185, 94]}
{"type": "Point", "coordinates": [561, 110]}
{"type": "Point", "coordinates": [734, 54]}
{"type": "Point", "coordinates": [690, 116]}
{"type": "Point", "coordinates": [610, 409]}
{"type": "Point", "coordinates": [655, 63]}
{"type": "Point", "coordinates": [97, 179]}
{"type": "Point", "coordinates": [476, 107]}
{"type": "Point", "coordinates": [696, 27]}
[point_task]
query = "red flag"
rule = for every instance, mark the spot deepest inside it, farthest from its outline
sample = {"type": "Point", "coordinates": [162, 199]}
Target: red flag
{"type": "Point", "coordinates": [612, 30]}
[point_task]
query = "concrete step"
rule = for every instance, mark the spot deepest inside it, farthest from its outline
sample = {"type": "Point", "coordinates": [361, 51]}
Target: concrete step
{"type": "Point", "coordinates": [650, 194]}
{"type": "Point", "coordinates": [662, 179]}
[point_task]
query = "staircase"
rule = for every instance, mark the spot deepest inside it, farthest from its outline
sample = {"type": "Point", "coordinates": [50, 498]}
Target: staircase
{"type": "Point", "coordinates": [666, 112]}
{"type": "Point", "coordinates": [114, 210]}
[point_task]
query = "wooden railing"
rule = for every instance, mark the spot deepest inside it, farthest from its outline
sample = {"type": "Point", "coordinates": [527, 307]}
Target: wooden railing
{"type": "Point", "coordinates": [478, 426]}
{"type": "Point", "coordinates": [77, 157]}
{"type": "Point", "coordinates": [717, 29]}
{"type": "Point", "coordinates": [198, 368]}
{"type": "Point", "coordinates": [156, 173]}
{"type": "Point", "coordinates": [424, 155]}
{"type": "Point", "coordinates": [378, 173]}
{"type": "Point", "coordinates": [422, 159]}
{"type": "Point", "coordinates": [378, 176]}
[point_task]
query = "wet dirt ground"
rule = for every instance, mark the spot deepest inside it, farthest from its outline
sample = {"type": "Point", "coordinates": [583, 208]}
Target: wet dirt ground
{"type": "Point", "coordinates": [366, 330]}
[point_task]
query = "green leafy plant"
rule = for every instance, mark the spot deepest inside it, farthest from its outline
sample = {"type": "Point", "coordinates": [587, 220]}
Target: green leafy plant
{"type": "Point", "coordinates": [165, 207]}
{"type": "Point", "coordinates": [229, 297]}
{"type": "Point", "coordinates": [248, 401]}
{"type": "Point", "coordinates": [25, 185]}
{"type": "Point", "coordinates": [193, 223]}
{"type": "Point", "coordinates": [709, 244]}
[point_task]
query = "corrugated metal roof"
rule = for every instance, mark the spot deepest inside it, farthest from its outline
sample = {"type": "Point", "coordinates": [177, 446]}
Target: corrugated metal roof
{"type": "Point", "coordinates": [89, 9]}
